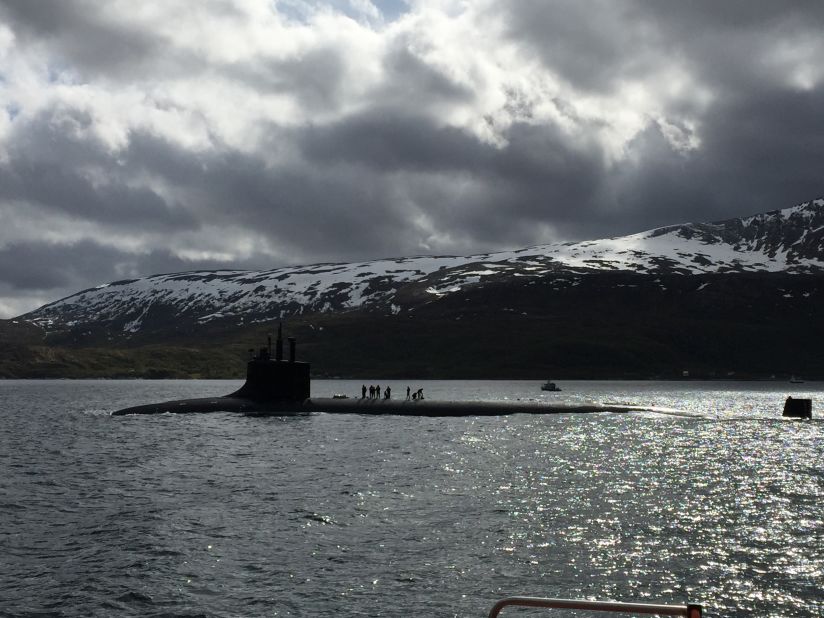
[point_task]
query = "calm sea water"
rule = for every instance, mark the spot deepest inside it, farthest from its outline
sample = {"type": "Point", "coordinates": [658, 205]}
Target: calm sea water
{"type": "Point", "coordinates": [327, 515]}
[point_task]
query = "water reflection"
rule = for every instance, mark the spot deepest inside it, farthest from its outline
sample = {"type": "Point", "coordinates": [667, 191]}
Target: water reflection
{"type": "Point", "coordinates": [327, 515]}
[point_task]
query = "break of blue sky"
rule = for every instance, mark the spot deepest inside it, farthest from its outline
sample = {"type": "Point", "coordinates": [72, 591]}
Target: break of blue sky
{"type": "Point", "coordinates": [383, 10]}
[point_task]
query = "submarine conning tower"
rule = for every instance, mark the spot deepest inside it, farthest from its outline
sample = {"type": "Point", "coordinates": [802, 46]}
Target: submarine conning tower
{"type": "Point", "coordinates": [275, 379]}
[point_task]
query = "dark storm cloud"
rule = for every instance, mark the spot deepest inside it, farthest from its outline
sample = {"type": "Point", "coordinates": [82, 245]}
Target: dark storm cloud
{"type": "Point", "coordinates": [57, 188]}
{"type": "Point", "coordinates": [733, 16]}
{"type": "Point", "coordinates": [347, 198]}
{"type": "Point", "coordinates": [768, 148]}
{"type": "Point", "coordinates": [414, 85]}
{"type": "Point", "coordinates": [585, 42]}
{"type": "Point", "coordinates": [44, 266]}
{"type": "Point", "coordinates": [394, 140]}
{"type": "Point", "coordinates": [85, 44]}
{"type": "Point", "coordinates": [758, 154]}
{"type": "Point", "coordinates": [70, 267]}
{"type": "Point", "coordinates": [315, 78]}
{"type": "Point", "coordinates": [539, 166]}
{"type": "Point", "coordinates": [731, 44]}
{"type": "Point", "coordinates": [54, 163]}
{"type": "Point", "coordinates": [76, 27]}
{"type": "Point", "coordinates": [760, 138]}
{"type": "Point", "coordinates": [332, 211]}
{"type": "Point", "coordinates": [596, 45]}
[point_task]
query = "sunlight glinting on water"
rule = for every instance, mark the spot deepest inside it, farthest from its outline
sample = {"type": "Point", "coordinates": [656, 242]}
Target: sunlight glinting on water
{"type": "Point", "coordinates": [328, 515]}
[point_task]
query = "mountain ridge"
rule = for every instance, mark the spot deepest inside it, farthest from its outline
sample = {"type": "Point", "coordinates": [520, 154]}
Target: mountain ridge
{"type": "Point", "coordinates": [789, 240]}
{"type": "Point", "coordinates": [733, 298]}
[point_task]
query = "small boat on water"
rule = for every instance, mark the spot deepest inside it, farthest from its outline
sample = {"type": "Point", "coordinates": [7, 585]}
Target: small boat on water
{"type": "Point", "coordinates": [549, 386]}
{"type": "Point", "coordinates": [795, 380]}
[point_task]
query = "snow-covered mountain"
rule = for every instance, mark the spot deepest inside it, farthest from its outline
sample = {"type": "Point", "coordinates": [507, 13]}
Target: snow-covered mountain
{"type": "Point", "coordinates": [789, 240]}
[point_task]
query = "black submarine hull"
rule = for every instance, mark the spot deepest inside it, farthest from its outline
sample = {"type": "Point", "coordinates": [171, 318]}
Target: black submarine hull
{"type": "Point", "coordinates": [193, 406]}
{"type": "Point", "coordinates": [365, 406]}
{"type": "Point", "coordinates": [279, 387]}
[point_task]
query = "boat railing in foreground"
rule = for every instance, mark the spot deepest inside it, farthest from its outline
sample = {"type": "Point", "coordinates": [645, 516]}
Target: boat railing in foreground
{"type": "Point", "coordinates": [687, 611]}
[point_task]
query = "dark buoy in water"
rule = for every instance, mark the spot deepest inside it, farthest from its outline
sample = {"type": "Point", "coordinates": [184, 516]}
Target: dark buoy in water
{"type": "Point", "coordinates": [798, 408]}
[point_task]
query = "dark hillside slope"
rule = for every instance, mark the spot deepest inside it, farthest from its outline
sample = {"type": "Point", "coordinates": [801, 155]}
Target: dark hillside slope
{"type": "Point", "coordinates": [609, 326]}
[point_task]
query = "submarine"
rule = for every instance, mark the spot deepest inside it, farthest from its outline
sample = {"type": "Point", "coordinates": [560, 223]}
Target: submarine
{"type": "Point", "coordinates": [280, 387]}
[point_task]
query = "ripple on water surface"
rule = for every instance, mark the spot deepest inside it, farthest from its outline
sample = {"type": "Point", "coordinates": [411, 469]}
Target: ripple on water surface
{"type": "Point", "coordinates": [329, 515]}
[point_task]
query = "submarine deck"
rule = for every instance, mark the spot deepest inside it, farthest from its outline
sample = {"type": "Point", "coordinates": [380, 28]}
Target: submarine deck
{"type": "Point", "coordinates": [394, 407]}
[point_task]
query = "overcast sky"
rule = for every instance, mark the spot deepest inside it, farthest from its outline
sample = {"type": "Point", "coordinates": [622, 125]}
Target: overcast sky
{"type": "Point", "coordinates": [164, 135]}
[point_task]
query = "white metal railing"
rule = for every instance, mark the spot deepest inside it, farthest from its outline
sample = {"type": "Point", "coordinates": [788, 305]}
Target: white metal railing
{"type": "Point", "coordinates": [687, 611]}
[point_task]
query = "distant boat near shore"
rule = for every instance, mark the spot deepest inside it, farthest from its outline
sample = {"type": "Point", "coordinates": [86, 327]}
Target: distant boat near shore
{"type": "Point", "coordinates": [549, 386]}
{"type": "Point", "coordinates": [795, 380]}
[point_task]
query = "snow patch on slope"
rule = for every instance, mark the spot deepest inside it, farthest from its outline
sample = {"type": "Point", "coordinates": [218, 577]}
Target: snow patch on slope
{"type": "Point", "coordinates": [789, 240]}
